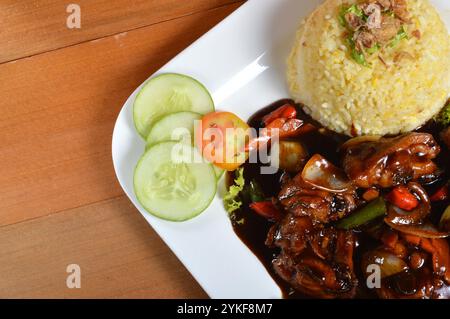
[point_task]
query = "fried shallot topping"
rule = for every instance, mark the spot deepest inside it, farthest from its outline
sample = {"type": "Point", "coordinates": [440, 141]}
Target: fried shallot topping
{"type": "Point", "coordinates": [374, 25]}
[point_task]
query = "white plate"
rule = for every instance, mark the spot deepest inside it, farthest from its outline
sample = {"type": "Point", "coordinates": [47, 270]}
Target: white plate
{"type": "Point", "coordinates": [242, 62]}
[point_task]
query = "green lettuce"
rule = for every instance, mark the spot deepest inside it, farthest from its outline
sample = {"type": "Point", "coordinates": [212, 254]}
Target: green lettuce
{"type": "Point", "coordinates": [352, 9]}
{"type": "Point", "coordinates": [444, 116]}
{"type": "Point", "coordinates": [231, 200]}
{"type": "Point", "coordinates": [355, 54]}
{"type": "Point", "coordinates": [400, 36]}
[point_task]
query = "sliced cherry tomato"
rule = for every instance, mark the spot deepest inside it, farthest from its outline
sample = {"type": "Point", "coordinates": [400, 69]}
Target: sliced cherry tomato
{"type": "Point", "coordinates": [282, 127]}
{"type": "Point", "coordinates": [286, 111]}
{"type": "Point", "coordinates": [288, 127]}
{"type": "Point", "coordinates": [222, 138]}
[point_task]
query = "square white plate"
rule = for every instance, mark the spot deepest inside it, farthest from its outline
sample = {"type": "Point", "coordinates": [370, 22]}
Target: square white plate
{"type": "Point", "coordinates": [242, 62]}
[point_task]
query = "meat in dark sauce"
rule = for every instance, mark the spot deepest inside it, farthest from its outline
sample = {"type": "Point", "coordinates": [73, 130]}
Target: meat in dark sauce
{"type": "Point", "coordinates": [309, 258]}
{"type": "Point", "coordinates": [301, 199]}
{"type": "Point", "coordinates": [391, 161]}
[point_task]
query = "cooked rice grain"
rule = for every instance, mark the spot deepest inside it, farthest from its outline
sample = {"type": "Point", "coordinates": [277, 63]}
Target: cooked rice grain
{"type": "Point", "coordinates": [380, 99]}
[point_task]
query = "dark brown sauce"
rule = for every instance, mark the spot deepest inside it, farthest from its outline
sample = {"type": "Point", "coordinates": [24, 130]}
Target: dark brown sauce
{"type": "Point", "coordinates": [253, 231]}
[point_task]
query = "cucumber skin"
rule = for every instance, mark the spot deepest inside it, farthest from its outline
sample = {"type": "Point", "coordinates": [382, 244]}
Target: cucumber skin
{"type": "Point", "coordinates": [219, 172]}
{"type": "Point", "coordinates": [168, 74]}
{"type": "Point", "coordinates": [192, 216]}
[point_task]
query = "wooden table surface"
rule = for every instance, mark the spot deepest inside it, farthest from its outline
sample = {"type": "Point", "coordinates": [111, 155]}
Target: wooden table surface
{"type": "Point", "coordinates": [61, 91]}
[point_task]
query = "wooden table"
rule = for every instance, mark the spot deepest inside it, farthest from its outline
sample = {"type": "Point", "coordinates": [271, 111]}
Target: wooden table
{"type": "Point", "coordinates": [61, 91]}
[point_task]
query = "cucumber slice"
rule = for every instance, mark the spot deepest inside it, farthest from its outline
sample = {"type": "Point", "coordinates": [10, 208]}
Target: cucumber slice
{"type": "Point", "coordinates": [169, 93]}
{"type": "Point", "coordinates": [164, 129]}
{"type": "Point", "coordinates": [173, 188]}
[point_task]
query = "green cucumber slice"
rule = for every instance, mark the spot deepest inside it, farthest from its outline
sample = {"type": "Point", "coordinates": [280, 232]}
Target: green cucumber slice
{"type": "Point", "coordinates": [169, 93]}
{"type": "Point", "coordinates": [164, 129]}
{"type": "Point", "coordinates": [170, 188]}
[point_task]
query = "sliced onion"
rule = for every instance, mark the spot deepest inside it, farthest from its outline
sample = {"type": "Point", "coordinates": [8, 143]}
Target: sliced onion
{"type": "Point", "coordinates": [324, 175]}
{"type": "Point", "coordinates": [389, 263]}
{"type": "Point", "coordinates": [445, 220]}
{"type": "Point", "coordinates": [399, 216]}
{"type": "Point", "coordinates": [360, 140]}
{"type": "Point", "coordinates": [426, 230]}
{"type": "Point", "coordinates": [292, 155]}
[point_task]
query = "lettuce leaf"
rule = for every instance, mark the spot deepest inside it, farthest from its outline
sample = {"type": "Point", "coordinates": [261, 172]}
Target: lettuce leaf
{"type": "Point", "coordinates": [351, 9]}
{"type": "Point", "coordinates": [231, 200]}
{"type": "Point", "coordinates": [444, 116]}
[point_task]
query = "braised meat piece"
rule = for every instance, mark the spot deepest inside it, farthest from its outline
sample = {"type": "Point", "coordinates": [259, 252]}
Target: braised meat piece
{"type": "Point", "coordinates": [362, 217]}
{"type": "Point", "coordinates": [315, 261]}
{"type": "Point", "coordinates": [411, 267]}
{"type": "Point", "coordinates": [302, 199]}
{"type": "Point", "coordinates": [390, 161]}
{"type": "Point", "coordinates": [413, 285]}
{"type": "Point", "coordinates": [438, 249]}
{"type": "Point", "coordinates": [291, 234]}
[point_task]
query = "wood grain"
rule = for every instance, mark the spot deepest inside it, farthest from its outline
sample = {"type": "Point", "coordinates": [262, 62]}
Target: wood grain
{"type": "Point", "coordinates": [31, 27]}
{"type": "Point", "coordinates": [58, 112]}
{"type": "Point", "coordinates": [119, 256]}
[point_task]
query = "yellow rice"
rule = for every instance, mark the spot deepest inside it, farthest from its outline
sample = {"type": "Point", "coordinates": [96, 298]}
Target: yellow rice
{"type": "Point", "coordinates": [348, 97]}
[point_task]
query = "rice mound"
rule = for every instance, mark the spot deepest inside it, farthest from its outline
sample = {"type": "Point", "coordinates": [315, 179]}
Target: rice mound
{"type": "Point", "coordinates": [380, 99]}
